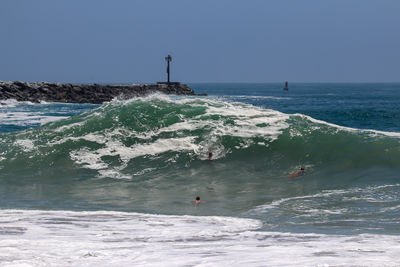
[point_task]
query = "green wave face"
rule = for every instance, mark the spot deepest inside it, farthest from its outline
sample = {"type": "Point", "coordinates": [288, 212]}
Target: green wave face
{"type": "Point", "coordinates": [145, 133]}
{"type": "Point", "coordinates": [149, 150]}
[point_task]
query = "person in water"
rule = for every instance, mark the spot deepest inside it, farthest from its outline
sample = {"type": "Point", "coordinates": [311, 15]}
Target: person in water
{"type": "Point", "coordinates": [197, 200]}
{"type": "Point", "coordinates": [298, 173]}
{"type": "Point", "coordinates": [210, 154]}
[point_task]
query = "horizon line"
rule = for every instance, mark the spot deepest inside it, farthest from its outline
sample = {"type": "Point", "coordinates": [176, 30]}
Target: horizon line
{"type": "Point", "coordinates": [197, 82]}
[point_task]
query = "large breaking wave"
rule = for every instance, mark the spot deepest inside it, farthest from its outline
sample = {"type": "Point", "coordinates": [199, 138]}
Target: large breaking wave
{"type": "Point", "coordinates": [123, 139]}
{"type": "Point", "coordinates": [151, 155]}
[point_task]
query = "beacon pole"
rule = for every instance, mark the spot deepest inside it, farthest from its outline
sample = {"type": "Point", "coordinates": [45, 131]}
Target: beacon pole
{"type": "Point", "coordinates": [168, 59]}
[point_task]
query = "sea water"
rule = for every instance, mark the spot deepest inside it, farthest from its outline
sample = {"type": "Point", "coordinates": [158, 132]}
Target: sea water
{"type": "Point", "coordinates": [113, 184]}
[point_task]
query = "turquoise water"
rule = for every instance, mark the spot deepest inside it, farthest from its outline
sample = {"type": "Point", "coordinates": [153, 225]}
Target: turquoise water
{"type": "Point", "coordinates": [358, 105]}
{"type": "Point", "coordinates": [150, 155]}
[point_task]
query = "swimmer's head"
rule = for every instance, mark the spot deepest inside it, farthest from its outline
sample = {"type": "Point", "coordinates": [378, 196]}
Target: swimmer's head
{"type": "Point", "coordinates": [302, 169]}
{"type": "Point", "coordinates": [197, 198]}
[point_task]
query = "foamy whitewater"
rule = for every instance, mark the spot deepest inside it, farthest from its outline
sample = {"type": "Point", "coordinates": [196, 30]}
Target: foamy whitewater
{"type": "Point", "coordinates": [114, 184]}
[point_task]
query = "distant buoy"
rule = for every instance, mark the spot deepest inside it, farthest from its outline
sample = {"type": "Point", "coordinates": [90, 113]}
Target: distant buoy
{"type": "Point", "coordinates": [286, 86]}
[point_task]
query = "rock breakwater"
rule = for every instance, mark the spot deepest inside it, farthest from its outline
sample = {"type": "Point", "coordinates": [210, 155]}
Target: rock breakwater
{"type": "Point", "coordinates": [84, 93]}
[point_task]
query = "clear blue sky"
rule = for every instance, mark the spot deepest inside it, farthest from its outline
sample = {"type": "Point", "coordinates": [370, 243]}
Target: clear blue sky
{"type": "Point", "coordinates": [209, 40]}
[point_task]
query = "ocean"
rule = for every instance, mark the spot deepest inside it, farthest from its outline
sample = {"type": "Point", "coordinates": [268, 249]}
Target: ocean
{"type": "Point", "coordinates": [114, 184]}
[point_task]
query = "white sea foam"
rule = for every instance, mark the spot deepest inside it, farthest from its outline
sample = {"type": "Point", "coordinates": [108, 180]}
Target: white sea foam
{"type": "Point", "coordinates": [381, 201]}
{"type": "Point", "coordinates": [92, 158]}
{"type": "Point", "coordinates": [349, 129]}
{"type": "Point", "coordinates": [252, 97]}
{"type": "Point", "coordinates": [219, 119]}
{"type": "Point", "coordinates": [27, 118]}
{"type": "Point", "coordinates": [8, 103]}
{"type": "Point", "coordinates": [106, 238]}
{"type": "Point", "coordinates": [69, 126]}
{"type": "Point", "coordinates": [247, 121]}
{"type": "Point", "coordinates": [13, 103]}
{"type": "Point", "coordinates": [25, 144]}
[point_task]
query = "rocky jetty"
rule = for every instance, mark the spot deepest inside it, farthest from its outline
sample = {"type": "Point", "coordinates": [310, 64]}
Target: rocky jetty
{"type": "Point", "coordinates": [84, 93]}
